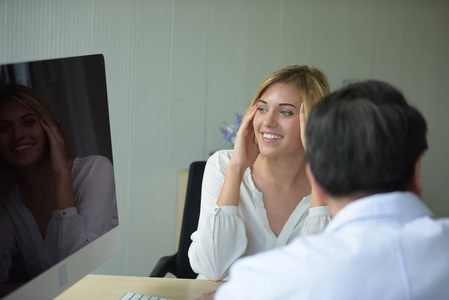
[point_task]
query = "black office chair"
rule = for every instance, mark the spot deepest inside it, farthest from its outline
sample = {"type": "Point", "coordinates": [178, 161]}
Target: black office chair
{"type": "Point", "coordinates": [178, 264]}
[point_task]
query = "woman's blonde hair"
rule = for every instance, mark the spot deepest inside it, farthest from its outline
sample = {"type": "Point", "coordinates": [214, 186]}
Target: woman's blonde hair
{"type": "Point", "coordinates": [310, 83]}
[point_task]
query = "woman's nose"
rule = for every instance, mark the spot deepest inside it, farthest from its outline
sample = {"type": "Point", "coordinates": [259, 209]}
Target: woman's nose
{"type": "Point", "coordinates": [18, 132]}
{"type": "Point", "coordinates": [270, 120]}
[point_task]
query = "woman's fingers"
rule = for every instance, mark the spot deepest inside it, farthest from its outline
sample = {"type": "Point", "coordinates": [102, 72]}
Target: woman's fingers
{"type": "Point", "coordinates": [51, 130]}
{"type": "Point", "coordinates": [248, 118]}
{"type": "Point", "coordinates": [245, 148]}
{"type": "Point", "coordinates": [56, 143]}
{"type": "Point", "coordinates": [302, 124]}
{"type": "Point", "coordinates": [246, 125]}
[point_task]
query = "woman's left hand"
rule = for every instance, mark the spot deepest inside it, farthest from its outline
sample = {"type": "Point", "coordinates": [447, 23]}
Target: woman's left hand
{"type": "Point", "coordinates": [302, 124]}
{"type": "Point", "coordinates": [61, 166]}
{"type": "Point", "coordinates": [58, 158]}
{"type": "Point", "coordinates": [303, 121]}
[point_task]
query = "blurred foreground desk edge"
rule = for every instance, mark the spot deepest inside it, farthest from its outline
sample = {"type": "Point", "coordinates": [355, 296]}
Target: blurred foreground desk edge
{"type": "Point", "coordinates": [113, 287]}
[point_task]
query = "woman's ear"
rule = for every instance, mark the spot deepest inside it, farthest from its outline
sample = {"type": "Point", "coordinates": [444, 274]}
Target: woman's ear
{"type": "Point", "coordinates": [415, 183]}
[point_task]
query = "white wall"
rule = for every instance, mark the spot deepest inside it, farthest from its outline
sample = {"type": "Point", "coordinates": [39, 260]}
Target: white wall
{"type": "Point", "coordinates": [176, 70]}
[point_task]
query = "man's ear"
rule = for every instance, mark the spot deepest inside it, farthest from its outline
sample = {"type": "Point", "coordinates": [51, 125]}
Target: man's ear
{"type": "Point", "coordinates": [318, 194]}
{"type": "Point", "coordinates": [415, 183]}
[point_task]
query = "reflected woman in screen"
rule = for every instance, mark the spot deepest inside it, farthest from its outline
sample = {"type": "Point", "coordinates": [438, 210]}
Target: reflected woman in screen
{"type": "Point", "coordinates": [257, 196]}
{"type": "Point", "coordinates": [55, 204]}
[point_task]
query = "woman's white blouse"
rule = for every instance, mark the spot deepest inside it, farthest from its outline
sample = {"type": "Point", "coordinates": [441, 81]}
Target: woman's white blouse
{"type": "Point", "coordinates": [69, 229]}
{"type": "Point", "coordinates": [226, 233]}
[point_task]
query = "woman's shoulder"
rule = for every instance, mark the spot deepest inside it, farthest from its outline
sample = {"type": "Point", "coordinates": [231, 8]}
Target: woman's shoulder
{"type": "Point", "coordinates": [217, 162]}
{"type": "Point", "coordinates": [91, 162]}
{"type": "Point", "coordinates": [221, 156]}
{"type": "Point", "coordinates": [220, 159]}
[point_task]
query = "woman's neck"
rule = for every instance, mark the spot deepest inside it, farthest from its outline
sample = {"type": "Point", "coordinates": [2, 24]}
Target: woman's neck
{"type": "Point", "coordinates": [284, 172]}
{"type": "Point", "coordinates": [38, 175]}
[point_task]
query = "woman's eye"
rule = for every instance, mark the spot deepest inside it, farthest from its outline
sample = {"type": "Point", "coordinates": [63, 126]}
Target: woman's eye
{"type": "Point", "coordinates": [262, 109]}
{"type": "Point", "coordinates": [29, 122]}
{"type": "Point", "coordinates": [286, 113]}
{"type": "Point", "coordinates": [4, 128]}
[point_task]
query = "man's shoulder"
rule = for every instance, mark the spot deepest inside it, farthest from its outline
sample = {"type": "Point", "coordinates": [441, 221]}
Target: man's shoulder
{"type": "Point", "coordinates": [281, 273]}
{"type": "Point", "coordinates": [305, 251]}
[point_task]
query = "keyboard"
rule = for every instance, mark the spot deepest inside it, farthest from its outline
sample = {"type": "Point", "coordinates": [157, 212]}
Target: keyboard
{"type": "Point", "coordinates": [132, 296]}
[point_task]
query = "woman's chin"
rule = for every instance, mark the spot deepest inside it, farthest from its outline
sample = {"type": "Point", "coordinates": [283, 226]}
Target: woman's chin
{"type": "Point", "coordinates": [272, 152]}
{"type": "Point", "coordinates": [269, 151]}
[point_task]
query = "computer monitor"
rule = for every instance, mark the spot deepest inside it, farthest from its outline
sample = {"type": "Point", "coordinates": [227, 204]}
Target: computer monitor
{"type": "Point", "coordinates": [75, 90]}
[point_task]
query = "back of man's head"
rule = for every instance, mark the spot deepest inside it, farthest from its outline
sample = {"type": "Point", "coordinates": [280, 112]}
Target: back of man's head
{"type": "Point", "coordinates": [364, 138]}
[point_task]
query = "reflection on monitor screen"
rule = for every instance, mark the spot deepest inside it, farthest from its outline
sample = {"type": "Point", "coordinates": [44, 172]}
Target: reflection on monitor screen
{"type": "Point", "coordinates": [58, 209]}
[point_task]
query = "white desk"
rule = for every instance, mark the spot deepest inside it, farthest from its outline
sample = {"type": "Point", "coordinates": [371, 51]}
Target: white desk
{"type": "Point", "coordinates": [113, 287]}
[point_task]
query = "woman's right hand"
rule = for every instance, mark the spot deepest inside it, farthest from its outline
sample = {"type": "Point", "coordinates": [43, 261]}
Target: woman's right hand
{"type": "Point", "coordinates": [244, 155]}
{"type": "Point", "coordinates": [245, 149]}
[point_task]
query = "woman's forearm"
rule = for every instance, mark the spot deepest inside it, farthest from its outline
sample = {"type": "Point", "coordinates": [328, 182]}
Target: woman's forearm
{"type": "Point", "coordinates": [64, 196]}
{"type": "Point", "coordinates": [230, 192]}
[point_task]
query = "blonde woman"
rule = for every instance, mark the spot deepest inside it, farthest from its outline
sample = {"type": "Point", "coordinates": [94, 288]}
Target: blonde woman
{"type": "Point", "coordinates": [257, 196]}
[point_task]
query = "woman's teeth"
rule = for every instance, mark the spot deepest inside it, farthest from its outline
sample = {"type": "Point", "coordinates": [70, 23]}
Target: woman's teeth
{"type": "Point", "coordinates": [23, 147]}
{"type": "Point", "coordinates": [272, 136]}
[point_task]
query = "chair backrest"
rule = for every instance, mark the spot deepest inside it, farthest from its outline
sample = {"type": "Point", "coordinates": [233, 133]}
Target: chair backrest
{"type": "Point", "coordinates": [190, 219]}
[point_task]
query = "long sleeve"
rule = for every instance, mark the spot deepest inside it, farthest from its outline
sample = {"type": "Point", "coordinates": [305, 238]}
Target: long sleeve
{"type": "Point", "coordinates": [316, 220]}
{"type": "Point", "coordinates": [95, 212]}
{"type": "Point", "coordinates": [8, 247]}
{"type": "Point", "coordinates": [221, 236]}
{"type": "Point", "coordinates": [69, 229]}
{"type": "Point", "coordinates": [66, 233]}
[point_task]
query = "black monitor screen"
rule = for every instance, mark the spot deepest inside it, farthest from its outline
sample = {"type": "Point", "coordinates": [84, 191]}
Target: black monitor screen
{"type": "Point", "coordinates": [57, 183]}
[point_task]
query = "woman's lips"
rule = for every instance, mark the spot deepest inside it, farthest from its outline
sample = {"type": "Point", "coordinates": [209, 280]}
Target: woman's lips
{"type": "Point", "coordinates": [271, 137]}
{"type": "Point", "coordinates": [21, 147]}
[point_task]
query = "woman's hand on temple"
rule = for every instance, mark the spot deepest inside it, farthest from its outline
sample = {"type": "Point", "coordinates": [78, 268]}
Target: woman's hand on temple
{"type": "Point", "coordinates": [61, 166]}
{"type": "Point", "coordinates": [244, 155]}
{"type": "Point", "coordinates": [302, 124]}
{"type": "Point", "coordinates": [59, 162]}
{"type": "Point", "coordinates": [245, 149]}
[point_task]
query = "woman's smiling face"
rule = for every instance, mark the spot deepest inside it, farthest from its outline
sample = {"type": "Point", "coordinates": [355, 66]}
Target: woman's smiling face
{"type": "Point", "coordinates": [22, 138]}
{"type": "Point", "coordinates": [276, 124]}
